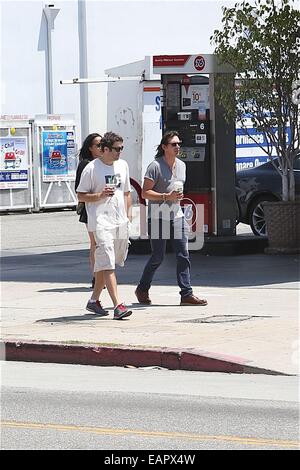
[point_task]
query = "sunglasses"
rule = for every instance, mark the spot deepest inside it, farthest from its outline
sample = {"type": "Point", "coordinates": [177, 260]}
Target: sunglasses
{"type": "Point", "coordinates": [98, 145]}
{"type": "Point", "coordinates": [118, 149]}
{"type": "Point", "coordinates": [175, 143]}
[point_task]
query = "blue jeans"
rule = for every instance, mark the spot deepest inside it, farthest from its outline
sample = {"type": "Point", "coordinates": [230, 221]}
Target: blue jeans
{"type": "Point", "coordinates": [159, 231]}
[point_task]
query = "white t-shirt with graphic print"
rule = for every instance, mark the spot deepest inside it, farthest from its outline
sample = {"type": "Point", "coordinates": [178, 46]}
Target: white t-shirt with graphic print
{"type": "Point", "coordinates": [109, 212]}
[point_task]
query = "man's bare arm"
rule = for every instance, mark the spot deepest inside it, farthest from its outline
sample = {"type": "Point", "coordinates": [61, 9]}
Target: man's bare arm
{"type": "Point", "coordinates": [128, 205]}
{"type": "Point", "coordinates": [95, 197]}
{"type": "Point", "coordinates": [148, 193]}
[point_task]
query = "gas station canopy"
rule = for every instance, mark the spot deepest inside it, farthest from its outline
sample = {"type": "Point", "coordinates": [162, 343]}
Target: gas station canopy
{"type": "Point", "coordinates": [187, 64]}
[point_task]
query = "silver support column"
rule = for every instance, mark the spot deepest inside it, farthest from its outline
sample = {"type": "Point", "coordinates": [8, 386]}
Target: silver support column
{"type": "Point", "coordinates": [222, 160]}
{"type": "Point", "coordinates": [83, 69]}
{"type": "Point", "coordinates": [50, 14]}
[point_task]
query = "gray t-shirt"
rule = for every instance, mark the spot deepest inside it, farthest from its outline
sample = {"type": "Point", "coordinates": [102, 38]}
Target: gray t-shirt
{"type": "Point", "coordinates": [164, 178]}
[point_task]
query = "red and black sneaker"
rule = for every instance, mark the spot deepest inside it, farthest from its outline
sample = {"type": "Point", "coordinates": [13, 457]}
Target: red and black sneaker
{"type": "Point", "coordinates": [121, 311]}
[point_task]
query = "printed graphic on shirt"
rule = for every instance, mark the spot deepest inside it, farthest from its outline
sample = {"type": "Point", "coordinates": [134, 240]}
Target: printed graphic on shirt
{"type": "Point", "coordinates": [113, 179]}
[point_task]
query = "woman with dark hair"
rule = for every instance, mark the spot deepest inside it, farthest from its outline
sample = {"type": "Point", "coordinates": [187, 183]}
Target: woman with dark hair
{"type": "Point", "coordinates": [89, 151]}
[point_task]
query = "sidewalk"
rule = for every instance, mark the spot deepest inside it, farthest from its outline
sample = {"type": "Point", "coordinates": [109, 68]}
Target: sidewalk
{"type": "Point", "coordinates": [249, 325]}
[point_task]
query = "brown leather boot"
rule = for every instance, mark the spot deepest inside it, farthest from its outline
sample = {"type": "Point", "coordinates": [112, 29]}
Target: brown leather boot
{"type": "Point", "coordinates": [192, 300]}
{"type": "Point", "coordinates": [142, 296]}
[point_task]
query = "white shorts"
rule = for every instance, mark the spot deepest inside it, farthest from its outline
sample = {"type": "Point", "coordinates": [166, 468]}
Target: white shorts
{"type": "Point", "coordinates": [111, 248]}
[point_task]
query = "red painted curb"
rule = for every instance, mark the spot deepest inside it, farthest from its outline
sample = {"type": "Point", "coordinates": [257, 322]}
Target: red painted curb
{"type": "Point", "coordinates": [210, 363]}
{"type": "Point", "coordinates": [90, 354]}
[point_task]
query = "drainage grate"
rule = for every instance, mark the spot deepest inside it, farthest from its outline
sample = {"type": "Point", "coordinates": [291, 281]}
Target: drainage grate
{"type": "Point", "coordinates": [222, 319]}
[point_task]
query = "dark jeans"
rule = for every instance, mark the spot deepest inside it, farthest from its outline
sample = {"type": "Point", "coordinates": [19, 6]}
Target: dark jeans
{"type": "Point", "coordinates": [158, 239]}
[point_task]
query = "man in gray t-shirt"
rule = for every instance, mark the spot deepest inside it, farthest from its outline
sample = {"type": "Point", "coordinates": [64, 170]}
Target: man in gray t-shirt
{"type": "Point", "coordinates": [165, 180]}
{"type": "Point", "coordinates": [163, 187]}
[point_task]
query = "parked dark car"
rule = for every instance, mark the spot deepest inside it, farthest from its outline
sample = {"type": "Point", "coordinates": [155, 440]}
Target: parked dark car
{"type": "Point", "coordinates": [257, 185]}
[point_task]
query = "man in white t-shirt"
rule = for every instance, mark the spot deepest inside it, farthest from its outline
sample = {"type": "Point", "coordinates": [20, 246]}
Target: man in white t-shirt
{"type": "Point", "coordinates": [105, 189]}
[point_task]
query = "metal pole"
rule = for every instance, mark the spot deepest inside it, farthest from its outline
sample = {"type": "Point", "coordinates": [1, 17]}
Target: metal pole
{"type": "Point", "coordinates": [78, 81]}
{"type": "Point", "coordinates": [50, 14]}
{"type": "Point", "coordinates": [83, 69]}
{"type": "Point", "coordinates": [49, 67]}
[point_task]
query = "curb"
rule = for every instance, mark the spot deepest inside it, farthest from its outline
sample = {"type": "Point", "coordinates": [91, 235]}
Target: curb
{"type": "Point", "coordinates": [95, 355]}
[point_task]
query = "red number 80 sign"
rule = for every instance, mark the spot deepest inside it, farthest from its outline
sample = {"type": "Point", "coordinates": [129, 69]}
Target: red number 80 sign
{"type": "Point", "coordinates": [199, 63]}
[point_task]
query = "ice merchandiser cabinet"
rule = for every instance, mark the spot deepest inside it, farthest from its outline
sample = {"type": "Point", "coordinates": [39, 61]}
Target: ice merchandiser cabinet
{"type": "Point", "coordinates": [189, 106]}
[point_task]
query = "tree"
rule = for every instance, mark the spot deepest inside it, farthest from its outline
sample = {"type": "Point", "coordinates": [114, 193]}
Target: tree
{"type": "Point", "coordinates": [261, 41]}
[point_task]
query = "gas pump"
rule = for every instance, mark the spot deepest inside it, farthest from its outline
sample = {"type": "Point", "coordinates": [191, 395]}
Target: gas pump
{"type": "Point", "coordinates": [186, 110]}
{"type": "Point", "coordinates": [208, 143]}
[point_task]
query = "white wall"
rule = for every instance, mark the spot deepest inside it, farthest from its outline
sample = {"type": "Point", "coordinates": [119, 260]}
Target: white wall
{"type": "Point", "coordinates": [118, 32]}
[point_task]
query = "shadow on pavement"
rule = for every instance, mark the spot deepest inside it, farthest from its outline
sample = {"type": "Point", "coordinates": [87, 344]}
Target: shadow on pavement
{"type": "Point", "coordinates": [72, 267]}
{"type": "Point", "coordinates": [68, 289]}
{"type": "Point", "coordinates": [86, 317]}
{"type": "Point", "coordinates": [71, 319]}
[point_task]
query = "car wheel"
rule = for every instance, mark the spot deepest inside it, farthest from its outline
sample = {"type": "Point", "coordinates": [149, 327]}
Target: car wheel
{"type": "Point", "coordinates": [257, 216]}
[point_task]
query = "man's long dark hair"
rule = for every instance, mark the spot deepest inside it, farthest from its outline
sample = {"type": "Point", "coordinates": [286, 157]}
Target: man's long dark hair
{"type": "Point", "coordinates": [164, 141]}
{"type": "Point", "coordinates": [84, 152]}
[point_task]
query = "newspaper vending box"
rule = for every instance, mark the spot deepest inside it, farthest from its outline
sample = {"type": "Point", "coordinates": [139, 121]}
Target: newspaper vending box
{"type": "Point", "coordinates": [55, 161]}
{"type": "Point", "coordinates": [16, 181]}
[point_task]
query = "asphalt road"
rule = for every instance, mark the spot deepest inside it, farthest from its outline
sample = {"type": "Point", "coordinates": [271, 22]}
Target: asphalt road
{"type": "Point", "coordinates": [51, 406]}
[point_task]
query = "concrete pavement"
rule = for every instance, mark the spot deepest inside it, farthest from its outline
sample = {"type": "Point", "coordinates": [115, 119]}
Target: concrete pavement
{"type": "Point", "coordinates": [250, 324]}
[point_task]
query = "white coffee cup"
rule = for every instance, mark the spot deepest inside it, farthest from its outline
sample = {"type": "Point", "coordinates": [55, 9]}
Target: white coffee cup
{"type": "Point", "coordinates": [110, 186]}
{"type": "Point", "coordinates": [178, 186]}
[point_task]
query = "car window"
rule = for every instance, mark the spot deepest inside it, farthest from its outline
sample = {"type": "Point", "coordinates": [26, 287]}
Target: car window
{"type": "Point", "coordinates": [297, 163]}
